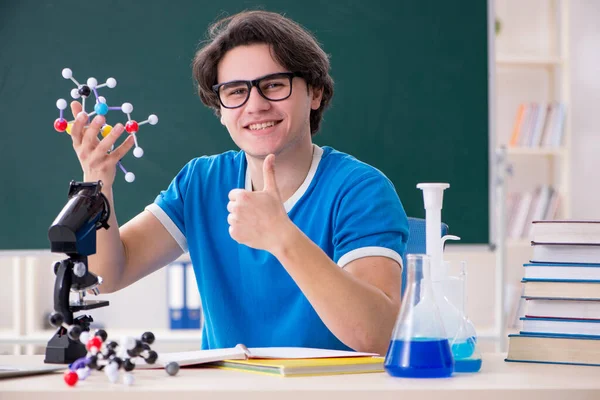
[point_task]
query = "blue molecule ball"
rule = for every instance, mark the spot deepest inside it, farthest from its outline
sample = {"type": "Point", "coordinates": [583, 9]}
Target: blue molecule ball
{"type": "Point", "coordinates": [101, 108]}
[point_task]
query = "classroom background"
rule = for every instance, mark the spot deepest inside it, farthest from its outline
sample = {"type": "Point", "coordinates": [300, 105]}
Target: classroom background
{"type": "Point", "coordinates": [541, 55]}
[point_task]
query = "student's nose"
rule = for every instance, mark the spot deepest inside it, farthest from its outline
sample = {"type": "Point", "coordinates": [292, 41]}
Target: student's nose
{"type": "Point", "coordinates": [256, 102]}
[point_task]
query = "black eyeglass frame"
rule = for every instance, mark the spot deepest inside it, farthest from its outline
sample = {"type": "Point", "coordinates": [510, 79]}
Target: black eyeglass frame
{"type": "Point", "coordinates": [255, 83]}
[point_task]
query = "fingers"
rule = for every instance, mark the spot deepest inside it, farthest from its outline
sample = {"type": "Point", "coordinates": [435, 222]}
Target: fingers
{"type": "Point", "coordinates": [236, 194]}
{"type": "Point", "coordinates": [270, 184]}
{"type": "Point", "coordinates": [107, 143]}
{"type": "Point", "coordinates": [75, 108]}
{"type": "Point", "coordinates": [120, 151]}
{"type": "Point", "coordinates": [90, 135]}
{"type": "Point", "coordinates": [231, 219]}
{"type": "Point", "coordinates": [77, 129]}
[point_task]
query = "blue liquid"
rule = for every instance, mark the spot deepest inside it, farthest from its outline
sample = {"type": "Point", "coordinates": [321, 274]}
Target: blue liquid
{"type": "Point", "coordinates": [463, 349]}
{"type": "Point", "coordinates": [419, 358]}
{"type": "Point", "coordinates": [467, 365]}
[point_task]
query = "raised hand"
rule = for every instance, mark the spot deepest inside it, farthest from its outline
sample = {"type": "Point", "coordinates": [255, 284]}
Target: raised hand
{"type": "Point", "coordinates": [258, 219]}
{"type": "Point", "coordinates": [93, 154]}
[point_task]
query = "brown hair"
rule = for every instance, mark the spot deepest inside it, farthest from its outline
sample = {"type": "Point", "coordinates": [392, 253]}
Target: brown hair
{"type": "Point", "coordinates": [291, 45]}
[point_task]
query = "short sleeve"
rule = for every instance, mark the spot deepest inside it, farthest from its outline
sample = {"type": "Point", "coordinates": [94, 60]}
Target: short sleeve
{"type": "Point", "coordinates": [370, 221]}
{"type": "Point", "coordinates": [168, 206]}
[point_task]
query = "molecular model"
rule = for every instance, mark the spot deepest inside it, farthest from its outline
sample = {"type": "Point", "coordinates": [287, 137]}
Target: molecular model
{"type": "Point", "coordinates": [101, 108]}
{"type": "Point", "coordinates": [107, 355]}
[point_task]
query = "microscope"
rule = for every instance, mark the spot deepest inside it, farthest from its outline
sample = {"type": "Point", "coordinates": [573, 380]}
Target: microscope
{"type": "Point", "coordinates": [73, 232]}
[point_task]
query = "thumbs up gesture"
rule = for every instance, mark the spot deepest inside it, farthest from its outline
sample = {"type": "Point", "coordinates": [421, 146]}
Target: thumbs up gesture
{"type": "Point", "coordinates": [258, 219]}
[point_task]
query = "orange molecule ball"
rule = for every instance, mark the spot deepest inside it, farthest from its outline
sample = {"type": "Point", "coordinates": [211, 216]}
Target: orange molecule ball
{"type": "Point", "coordinates": [131, 126]}
{"type": "Point", "coordinates": [71, 378]}
{"type": "Point", "coordinates": [105, 130]}
{"type": "Point", "coordinates": [60, 124]}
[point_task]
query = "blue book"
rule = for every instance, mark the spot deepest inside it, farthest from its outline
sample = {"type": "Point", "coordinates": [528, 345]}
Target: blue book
{"type": "Point", "coordinates": [561, 289]}
{"type": "Point", "coordinates": [192, 299]}
{"type": "Point", "coordinates": [176, 295]}
{"type": "Point", "coordinates": [560, 326]}
{"type": "Point", "coordinates": [554, 349]}
{"type": "Point", "coordinates": [553, 308]}
{"type": "Point", "coordinates": [562, 272]}
{"type": "Point", "coordinates": [571, 253]}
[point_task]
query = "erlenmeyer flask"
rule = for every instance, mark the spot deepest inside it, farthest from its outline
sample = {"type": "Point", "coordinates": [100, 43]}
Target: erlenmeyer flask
{"type": "Point", "coordinates": [467, 357]}
{"type": "Point", "coordinates": [419, 347]}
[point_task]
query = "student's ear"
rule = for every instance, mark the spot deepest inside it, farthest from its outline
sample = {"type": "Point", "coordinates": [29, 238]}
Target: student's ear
{"type": "Point", "coordinates": [222, 120]}
{"type": "Point", "coordinates": [316, 96]}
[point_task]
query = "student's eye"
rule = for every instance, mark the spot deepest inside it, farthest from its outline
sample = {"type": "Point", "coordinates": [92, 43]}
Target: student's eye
{"type": "Point", "coordinates": [236, 91]}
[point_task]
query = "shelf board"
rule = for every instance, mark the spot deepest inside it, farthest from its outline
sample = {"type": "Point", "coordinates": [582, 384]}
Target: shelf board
{"type": "Point", "coordinates": [512, 60]}
{"type": "Point", "coordinates": [536, 151]}
{"type": "Point", "coordinates": [163, 336]}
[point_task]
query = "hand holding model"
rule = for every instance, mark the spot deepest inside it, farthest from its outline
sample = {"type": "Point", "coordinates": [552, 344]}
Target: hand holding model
{"type": "Point", "coordinates": [93, 154]}
{"type": "Point", "coordinates": [258, 219]}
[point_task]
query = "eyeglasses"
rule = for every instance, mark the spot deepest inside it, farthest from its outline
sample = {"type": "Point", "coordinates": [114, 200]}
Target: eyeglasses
{"type": "Point", "coordinates": [273, 87]}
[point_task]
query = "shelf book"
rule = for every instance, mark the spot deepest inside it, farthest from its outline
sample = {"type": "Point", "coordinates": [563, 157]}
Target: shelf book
{"type": "Point", "coordinates": [281, 361]}
{"type": "Point", "coordinates": [539, 125]}
{"type": "Point", "coordinates": [561, 290]}
{"type": "Point", "coordinates": [541, 203]}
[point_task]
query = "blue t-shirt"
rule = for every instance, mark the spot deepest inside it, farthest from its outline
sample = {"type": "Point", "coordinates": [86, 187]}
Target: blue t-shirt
{"type": "Point", "coordinates": [348, 208]}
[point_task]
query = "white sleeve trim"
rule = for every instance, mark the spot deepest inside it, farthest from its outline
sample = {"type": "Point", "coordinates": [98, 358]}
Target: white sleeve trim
{"type": "Point", "coordinates": [168, 223]}
{"type": "Point", "coordinates": [369, 252]}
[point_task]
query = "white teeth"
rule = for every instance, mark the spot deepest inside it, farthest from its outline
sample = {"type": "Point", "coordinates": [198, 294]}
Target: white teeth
{"type": "Point", "coordinates": [264, 125]}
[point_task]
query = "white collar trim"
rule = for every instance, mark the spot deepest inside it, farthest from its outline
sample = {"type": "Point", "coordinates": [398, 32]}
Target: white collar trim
{"type": "Point", "coordinates": [289, 204]}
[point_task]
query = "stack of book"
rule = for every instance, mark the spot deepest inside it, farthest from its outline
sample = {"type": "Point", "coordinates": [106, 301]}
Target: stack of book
{"type": "Point", "coordinates": [561, 288]}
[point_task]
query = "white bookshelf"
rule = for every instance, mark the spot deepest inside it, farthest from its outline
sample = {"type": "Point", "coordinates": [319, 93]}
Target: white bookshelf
{"type": "Point", "coordinates": [532, 66]}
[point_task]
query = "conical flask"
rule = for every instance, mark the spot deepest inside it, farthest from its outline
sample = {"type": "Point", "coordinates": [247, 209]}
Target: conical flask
{"type": "Point", "coordinates": [467, 357]}
{"type": "Point", "coordinates": [419, 347]}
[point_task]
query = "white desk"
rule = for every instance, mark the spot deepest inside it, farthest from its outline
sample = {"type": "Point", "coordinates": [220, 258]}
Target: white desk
{"type": "Point", "coordinates": [496, 380]}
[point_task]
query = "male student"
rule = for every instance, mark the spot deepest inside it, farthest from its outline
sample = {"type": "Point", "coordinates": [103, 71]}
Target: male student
{"type": "Point", "coordinates": [292, 244]}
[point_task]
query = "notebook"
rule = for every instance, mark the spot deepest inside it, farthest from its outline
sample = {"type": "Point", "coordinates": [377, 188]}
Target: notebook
{"type": "Point", "coordinates": [12, 371]}
{"type": "Point", "coordinates": [304, 367]}
{"type": "Point", "coordinates": [295, 355]}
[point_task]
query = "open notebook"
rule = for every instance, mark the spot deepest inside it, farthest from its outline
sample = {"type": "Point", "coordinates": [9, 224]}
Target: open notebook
{"type": "Point", "coordinates": [285, 361]}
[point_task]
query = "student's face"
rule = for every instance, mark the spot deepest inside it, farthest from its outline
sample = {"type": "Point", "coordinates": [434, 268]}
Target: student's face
{"type": "Point", "coordinates": [260, 126]}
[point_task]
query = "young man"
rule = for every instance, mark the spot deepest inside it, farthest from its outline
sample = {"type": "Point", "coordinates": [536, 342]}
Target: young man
{"type": "Point", "coordinates": [292, 244]}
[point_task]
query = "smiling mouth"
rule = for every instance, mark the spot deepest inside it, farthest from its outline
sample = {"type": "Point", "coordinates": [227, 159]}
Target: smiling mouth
{"type": "Point", "coordinates": [263, 125]}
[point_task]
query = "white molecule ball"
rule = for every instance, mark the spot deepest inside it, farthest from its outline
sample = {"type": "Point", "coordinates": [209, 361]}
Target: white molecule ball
{"type": "Point", "coordinates": [111, 82]}
{"type": "Point", "coordinates": [111, 368]}
{"type": "Point", "coordinates": [84, 337]}
{"type": "Point", "coordinates": [113, 377]}
{"type": "Point", "coordinates": [67, 73]}
{"type": "Point", "coordinates": [138, 152]}
{"type": "Point", "coordinates": [92, 82]}
{"type": "Point", "coordinates": [83, 373]}
{"type": "Point", "coordinates": [128, 379]}
{"type": "Point", "coordinates": [127, 108]}
{"type": "Point", "coordinates": [61, 104]}
{"type": "Point", "coordinates": [102, 99]}
{"type": "Point", "coordinates": [75, 94]}
{"type": "Point", "coordinates": [80, 112]}
{"type": "Point", "coordinates": [130, 177]}
{"type": "Point", "coordinates": [127, 342]}
{"type": "Point", "coordinates": [152, 119]}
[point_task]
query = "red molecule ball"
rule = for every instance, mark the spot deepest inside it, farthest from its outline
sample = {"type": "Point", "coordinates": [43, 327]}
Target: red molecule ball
{"type": "Point", "coordinates": [94, 342]}
{"type": "Point", "coordinates": [131, 126]}
{"type": "Point", "coordinates": [60, 124]}
{"type": "Point", "coordinates": [71, 378]}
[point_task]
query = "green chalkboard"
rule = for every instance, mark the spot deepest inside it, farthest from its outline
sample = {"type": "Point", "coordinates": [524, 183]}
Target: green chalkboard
{"type": "Point", "coordinates": [411, 97]}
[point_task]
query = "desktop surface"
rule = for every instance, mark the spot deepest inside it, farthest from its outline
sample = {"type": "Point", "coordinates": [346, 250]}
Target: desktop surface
{"type": "Point", "coordinates": [496, 380]}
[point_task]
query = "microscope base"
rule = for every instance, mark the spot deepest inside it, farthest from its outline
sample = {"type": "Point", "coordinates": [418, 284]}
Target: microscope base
{"type": "Point", "coordinates": [62, 350]}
